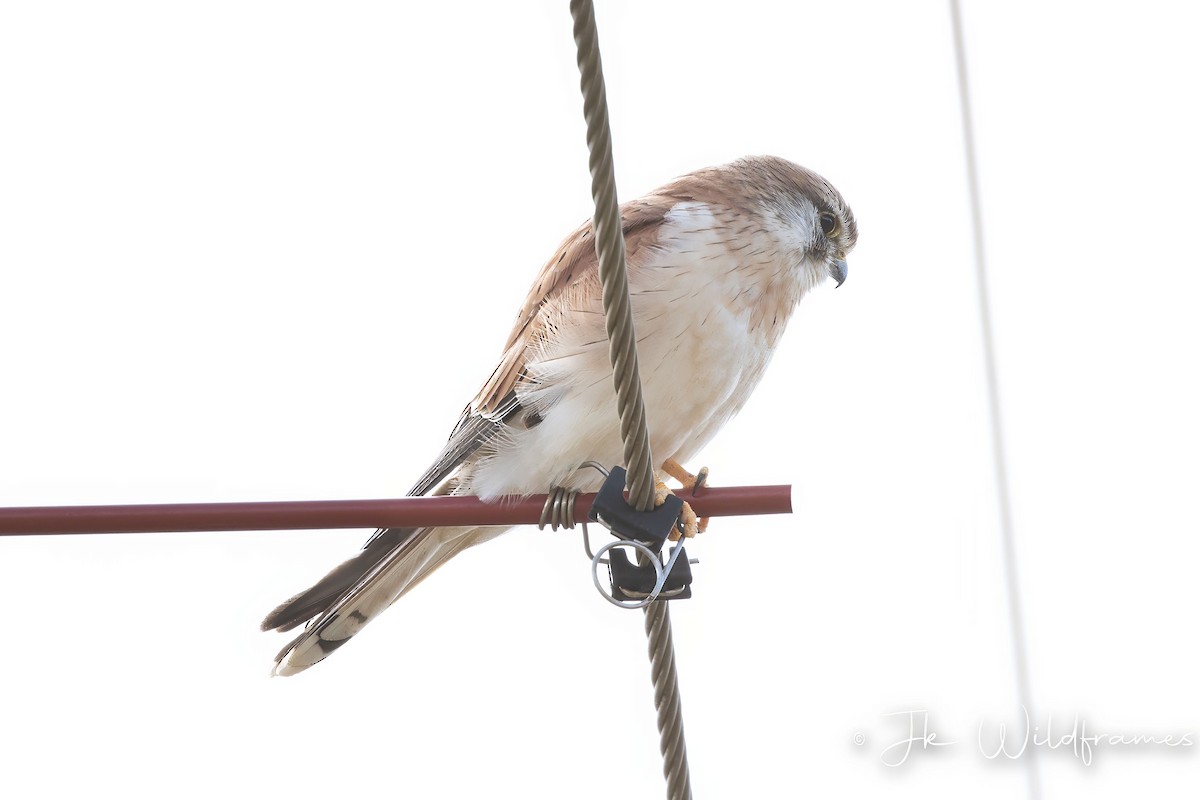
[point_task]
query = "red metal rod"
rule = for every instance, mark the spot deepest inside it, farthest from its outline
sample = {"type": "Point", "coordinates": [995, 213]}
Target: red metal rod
{"type": "Point", "coordinates": [409, 512]}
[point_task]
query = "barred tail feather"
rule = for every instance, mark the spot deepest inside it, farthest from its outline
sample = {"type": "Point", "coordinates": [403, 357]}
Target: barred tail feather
{"type": "Point", "coordinates": [358, 590]}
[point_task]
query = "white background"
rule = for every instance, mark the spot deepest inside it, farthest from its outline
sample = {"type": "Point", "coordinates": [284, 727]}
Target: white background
{"type": "Point", "coordinates": [255, 251]}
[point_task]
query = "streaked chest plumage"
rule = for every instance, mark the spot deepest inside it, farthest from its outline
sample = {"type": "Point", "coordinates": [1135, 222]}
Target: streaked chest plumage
{"type": "Point", "coordinates": [711, 299]}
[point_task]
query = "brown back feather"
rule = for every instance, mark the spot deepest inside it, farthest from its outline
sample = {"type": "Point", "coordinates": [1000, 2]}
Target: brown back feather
{"type": "Point", "coordinates": [573, 262]}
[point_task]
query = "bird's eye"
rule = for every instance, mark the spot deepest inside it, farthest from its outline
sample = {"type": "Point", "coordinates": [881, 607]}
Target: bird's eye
{"type": "Point", "coordinates": [829, 223]}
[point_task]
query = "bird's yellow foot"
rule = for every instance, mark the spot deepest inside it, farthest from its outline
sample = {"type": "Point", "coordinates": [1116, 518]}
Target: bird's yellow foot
{"type": "Point", "coordinates": [690, 524]}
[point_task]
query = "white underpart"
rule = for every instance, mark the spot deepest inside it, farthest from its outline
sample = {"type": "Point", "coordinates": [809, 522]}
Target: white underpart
{"type": "Point", "coordinates": [700, 353]}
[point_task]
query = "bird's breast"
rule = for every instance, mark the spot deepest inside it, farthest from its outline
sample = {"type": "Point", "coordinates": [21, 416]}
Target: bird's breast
{"type": "Point", "coordinates": [710, 300]}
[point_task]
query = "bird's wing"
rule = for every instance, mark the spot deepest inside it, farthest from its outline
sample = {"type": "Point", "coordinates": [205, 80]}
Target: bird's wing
{"type": "Point", "coordinates": [396, 559]}
{"type": "Point", "coordinates": [573, 263]}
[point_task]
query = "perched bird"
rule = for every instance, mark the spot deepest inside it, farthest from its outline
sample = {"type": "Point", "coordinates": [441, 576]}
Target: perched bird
{"type": "Point", "coordinates": [717, 261]}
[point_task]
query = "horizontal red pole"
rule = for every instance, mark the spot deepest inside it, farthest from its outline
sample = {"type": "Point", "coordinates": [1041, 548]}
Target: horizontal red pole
{"type": "Point", "coordinates": [408, 512]}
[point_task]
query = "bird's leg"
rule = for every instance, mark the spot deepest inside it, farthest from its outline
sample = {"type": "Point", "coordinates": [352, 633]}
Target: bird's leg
{"type": "Point", "coordinates": [687, 517]}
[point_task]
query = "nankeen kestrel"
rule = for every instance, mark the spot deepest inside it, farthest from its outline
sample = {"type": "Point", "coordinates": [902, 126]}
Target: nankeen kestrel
{"type": "Point", "coordinates": [717, 260]}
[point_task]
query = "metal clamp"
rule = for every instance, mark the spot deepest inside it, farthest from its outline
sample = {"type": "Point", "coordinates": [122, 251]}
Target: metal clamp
{"type": "Point", "coordinates": [637, 585]}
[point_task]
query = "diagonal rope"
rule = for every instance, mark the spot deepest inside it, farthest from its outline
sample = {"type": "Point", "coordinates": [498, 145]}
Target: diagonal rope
{"type": "Point", "coordinates": [618, 321]}
{"type": "Point", "coordinates": [610, 248]}
{"type": "Point", "coordinates": [1012, 584]}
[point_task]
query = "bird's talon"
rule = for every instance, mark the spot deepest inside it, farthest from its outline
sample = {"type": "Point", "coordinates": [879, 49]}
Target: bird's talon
{"type": "Point", "coordinates": [688, 522]}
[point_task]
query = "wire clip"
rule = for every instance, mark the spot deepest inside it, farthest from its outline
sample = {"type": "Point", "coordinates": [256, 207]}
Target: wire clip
{"type": "Point", "coordinates": [646, 532]}
{"type": "Point", "coordinates": [633, 582]}
{"type": "Point", "coordinates": [611, 510]}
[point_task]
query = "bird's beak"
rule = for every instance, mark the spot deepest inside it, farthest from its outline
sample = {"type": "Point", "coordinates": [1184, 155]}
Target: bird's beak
{"type": "Point", "coordinates": [837, 270]}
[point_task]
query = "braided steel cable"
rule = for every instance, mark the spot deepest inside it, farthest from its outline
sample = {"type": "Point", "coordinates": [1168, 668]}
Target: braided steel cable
{"type": "Point", "coordinates": [610, 248]}
{"type": "Point", "coordinates": [661, 648]}
{"type": "Point", "coordinates": [618, 321]}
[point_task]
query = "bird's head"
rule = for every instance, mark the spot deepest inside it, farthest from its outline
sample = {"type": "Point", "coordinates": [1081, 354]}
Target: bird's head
{"type": "Point", "coordinates": [808, 215]}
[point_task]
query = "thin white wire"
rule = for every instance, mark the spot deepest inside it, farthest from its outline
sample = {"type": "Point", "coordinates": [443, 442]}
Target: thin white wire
{"type": "Point", "coordinates": [1012, 584]}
